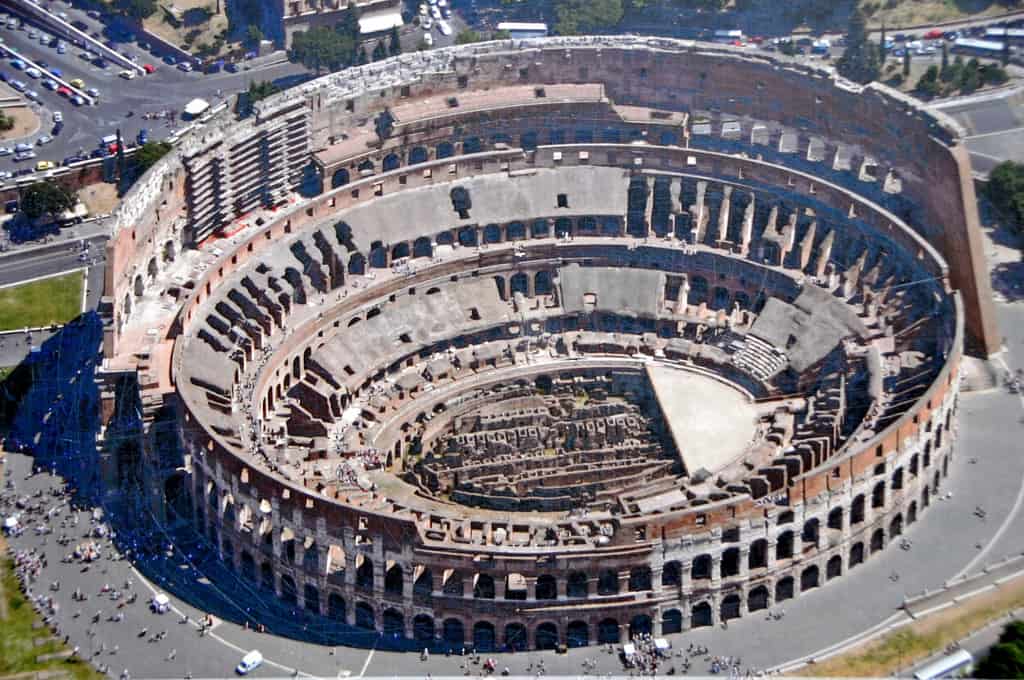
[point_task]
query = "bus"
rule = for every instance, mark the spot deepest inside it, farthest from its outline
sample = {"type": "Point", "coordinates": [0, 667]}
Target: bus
{"type": "Point", "coordinates": [956, 665]}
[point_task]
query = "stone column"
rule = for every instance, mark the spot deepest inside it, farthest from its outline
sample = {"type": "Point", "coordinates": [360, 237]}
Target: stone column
{"type": "Point", "coordinates": [744, 561]}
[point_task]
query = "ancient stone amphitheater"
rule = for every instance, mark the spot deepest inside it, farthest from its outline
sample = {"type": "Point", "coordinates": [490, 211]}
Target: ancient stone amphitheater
{"type": "Point", "coordinates": [580, 338]}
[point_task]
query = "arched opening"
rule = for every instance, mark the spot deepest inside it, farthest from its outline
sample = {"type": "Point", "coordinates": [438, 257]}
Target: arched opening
{"type": "Point", "coordinates": [671, 574]}
{"type": "Point", "coordinates": [169, 251]}
{"type": "Point", "coordinates": [784, 589]}
{"type": "Point", "coordinates": [400, 250]}
{"type": "Point", "coordinates": [248, 566]}
{"type": "Point", "coordinates": [393, 623]}
{"type": "Point", "coordinates": [878, 495]}
{"type": "Point", "coordinates": [515, 637]}
{"type": "Point", "coordinates": [357, 264]}
{"type": "Point", "coordinates": [640, 625]}
{"type": "Point", "coordinates": [608, 632]}
{"type": "Point", "coordinates": [834, 567]}
{"type": "Point", "coordinates": [364, 616]}
{"type": "Point", "coordinates": [311, 597]}
{"type": "Point", "coordinates": [546, 636]}
{"type": "Point", "coordinates": [809, 578]}
{"type": "Point", "coordinates": [483, 589]}
{"type": "Point", "coordinates": [701, 568]}
{"type": "Point", "coordinates": [467, 237]}
{"type": "Point", "coordinates": [547, 588]}
{"type": "Point", "coordinates": [578, 634]}
{"type": "Point", "coordinates": [856, 554]}
{"type": "Point", "coordinates": [424, 584]}
{"type": "Point", "coordinates": [784, 545]}
{"type": "Point", "coordinates": [340, 178]}
{"type": "Point", "coordinates": [700, 615]}
{"type": "Point", "coordinates": [810, 534]}
{"type": "Point", "coordinates": [912, 512]}
{"type": "Point", "coordinates": [721, 298]}
{"type": "Point", "coordinates": [364, 572]}
{"type": "Point", "coordinates": [336, 607]}
{"type": "Point", "coordinates": [422, 247]}
{"type": "Point", "coordinates": [418, 154]}
{"type": "Point", "coordinates": [757, 599]}
{"type": "Point", "coordinates": [877, 540]}
{"type": "Point", "coordinates": [366, 168]}
{"type": "Point", "coordinates": [453, 633]}
{"type": "Point", "coordinates": [519, 283]}
{"type": "Point", "coordinates": [499, 281]}
{"type": "Point", "coordinates": [289, 593]}
{"type": "Point", "coordinates": [542, 283]}
{"type": "Point", "coordinates": [139, 288]}
{"type": "Point", "coordinates": [423, 629]}
{"type": "Point", "coordinates": [391, 162]}
{"type": "Point", "coordinates": [539, 229]}
{"type": "Point", "coordinates": [394, 580]}
{"type": "Point", "coordinates": [483, 636]}
{"type": "Point", "coordinates": [515, 231]}
{"type": "Point", "coordinates": [730, 564]}
{"type": "Point", "coordinates": [266, 576]}
{"type": "Point", "coordinates": [563, 227]}
{"type": "Point", "coordinates": [698, 290]}
{"type": "Point", "coordinates": [730, 608]}
{"type": "Point", "coordinates": [835, 518]}
{"type": "Point", "coordinates": [452, 583]}
{"type": "Point", "coordinates": [639, 579]}
{"type": "Point", "coordinates": [445, 150]}
{"type": "Point", "coordinates": [608, 582]}
{"type": "Point", "coordinates": [671, 622]}
{"type": "Point", "coordinates": [472, 145]}
{"type": "Point", "coordinates": [492, 233]}
{"type": "Point", "coordinates": [896, 526]}
{"type": "Point", "coordinates": [857, 510]}
{"type": "Point", "coordinates": [378, 257]}
{"type": "Point", "coordinates": [758, 557]}
{"type": "Point", "coordinates": [576, 586]}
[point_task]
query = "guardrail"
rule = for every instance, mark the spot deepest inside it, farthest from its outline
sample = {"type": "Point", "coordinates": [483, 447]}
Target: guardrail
{"type": "Point", "coordinates": [14, 54]}
{"type": "Point", "coordinates": [56, 24]}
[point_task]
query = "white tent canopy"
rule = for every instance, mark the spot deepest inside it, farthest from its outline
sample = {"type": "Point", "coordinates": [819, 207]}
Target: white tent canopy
{"type": "Point", "coordinates": [196, 107]}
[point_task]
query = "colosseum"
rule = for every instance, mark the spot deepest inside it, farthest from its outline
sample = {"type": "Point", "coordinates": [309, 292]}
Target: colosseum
{"type": "Point", "coordinates": [573, 338]}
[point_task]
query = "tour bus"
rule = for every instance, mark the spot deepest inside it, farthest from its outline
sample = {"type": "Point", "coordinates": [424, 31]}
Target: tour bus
{"type": "Point", "coordinates": [956, 665]}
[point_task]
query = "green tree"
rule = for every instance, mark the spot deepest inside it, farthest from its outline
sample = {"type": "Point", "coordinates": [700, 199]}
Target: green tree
{"type": "Point", "coordinates": [6, 122]}
{"type": "Point", "coordinates": [501, 35]}
{"type": "Point", "coordinates": [860, 61]}
{"type": "Point", "coordinates": [137, 9]}
{"type": "Point", "coordinates": [883, 50]}
{"type": "Point", "coordinates": [44, 198]}
{"type": "Point", "coordinates": [361, 57]}
{"type": "Point", "coordinates": [586, 16]}
{"type": "Point", "coordinates": [906, 63]}
{"type": "Point", "coordinates": [928, 84]}
{"type": "Point", "coordinates": [380, 51]}
{"type": "Point", "coordinates": [148, 154]}
{"type": "Point", "coordinates": [1005, 189]}
{"type": "Point", "coordinates": [394, 42]}
{"type": "Point", "coordinates": [1005, 660]}
{"type": "Point", "coordinates": [944, 64]}
{"type": "Point", "coordinates": [467, 36]}
{"type": "Point", "coordinates": [253, 35]}
{"type": "Point", "coordinates": [261, 90]}
{"type": "Point", "coordinates": [322, 48]}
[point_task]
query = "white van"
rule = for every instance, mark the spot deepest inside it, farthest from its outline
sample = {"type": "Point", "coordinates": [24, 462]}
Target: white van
{"type": "Point", "coordinates": [249, 662]}
{"type": "Point", "coordinates": [108, 140]}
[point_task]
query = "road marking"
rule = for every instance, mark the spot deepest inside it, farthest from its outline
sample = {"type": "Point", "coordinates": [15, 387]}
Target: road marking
{"type": "Point", "coordinates": [366, 664]}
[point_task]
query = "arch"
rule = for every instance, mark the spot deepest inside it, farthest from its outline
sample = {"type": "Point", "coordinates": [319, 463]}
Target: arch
{"type": "Point", "coordinates": [834, 567]}
{"type": "Point", "coordinates": [422, 247]}
{"type": "Point", "coordinates": [639, 579]}
{"type": "Point", "coordinates": [542, 283]}
{"type": "Point", "coordinates": [364, 616]}
{"type": "Point", "coordinates": [698, 290]}
{"type": "Point", "coordinates": [878, 495]}
{"type": "Point", "coordinates": [391, 162]}
{"type": "Point", "coordinates": [378, 256]}
{"type": "Point", "coordinates": [758, 557]}
{"type": "Point", "coordinates": [784, 588]}
{"type": "Point", "coordinates": [168, 251]}
{"type": "Point", "coordinates": [896, 526]}
{"type": "Point", "coordinates": [357, 264]}
{"type": "Point", "coordinates": [640, 625]}
{"type": "Point", "coordinates": [138, 288]}
{"type": "Point", "coordinates": [576, 585]}
{"type": "Point", "coordinates": [608, 582]}
{"type": "Point", "coordinates": [266, 576]}
{"type": "Point", "coordinates": [730, 608]}
{"type": "Point", "coordinates": [499, 281]}
{"type": "Point", "coordinates": [394, 579]}
{"type": "Point", "coordinates": [519, 283]}
{"type": "Point", "coordinates": [367, 167]}
{"type": "Point", "coordinates": [515, 637]}
{"type": "Point", "coordinates": [563, 227]}
{"type": "Point", "coordinates": [311, 598]}
{"type": "Point", "coordinates": [418, 154]}
{"type": "Point", "coordinates": [912, 512]}
{"type": "Point", "coordinates": [423, 628]}
{"type": "Point", "coordinates": [811, 532]}
{"type": "Point", "coordinates": [452, 584]}
{"type": "Point", "coordinates": [340, 178]}
{"type": "Point", "coordinates": [472, 145]}
{"type": "Point", "coordinates": [424, 583]}
{"type": "Point", "coordinates": [445, 150]}
{"type": "Point", "coordinates": [468, 237]}
{"type": "Point", "coordinates": [925, 497]}
{"type": "Point", "coordinates": [336, 607]}
{"type": "Point", "coordinates": [742, 299]}
{"type": "Point", "coordinates": [671, 621]}
{"type": "Point", "coordinates": [545, 636]}
{"type": "Point", "coordinates": [757, 598]}
{"type": "Point", "coordinates": [809, 578]}
{"type": "Point", "coordinates": [701, 568]}
{"type": "Point", "coordinates": [483, 588]}
{"type": "Point", "coordinates": [877, 540]}
{"type": "Point", "coordinates": [835, 518]}
{"type": "Point", "coordinates": [547, 587]}
{"type": "Point", "coordinates": [528, 140]}
{"type": "Point", "coordinates": [784, 545]}
{"type": "Point", "coordinates": [453, 633]}
{"type": "Point", "coordinates": [289, 593]}
{"type": "Point", "coordinates": [492, 233]}
{"type": "Point", "coordinates": [484, 639]}
{"type": "Point", "coordinates": [393, 623]}
{"type": "Point", "coordinates": [671, 574]}
{"type": "Point", "coordinates": [857, 510]}
{"type": "Point", "coordinates": [577, 634]}
{"type": "Point", "coordinates": [608, 632]}
{"type": "Point", "coordinates": [856, 554]}
{"type": "Point", "coordinates": [248, 566]}
{"type": "Point", "coordinates": [721, 298]}
{"type": "Point", "coordinates": [515, 231]}
{"type": "Point", "coordinates": [540, 229]}
{"type": "Point", "coordinates": [730, 562]}
{"type": "Point", "coordinates": [701, 615]}
{"type": "Point", "coordinates": [364, 572]}
{"type": "Point", "coordinates": [400, 250]}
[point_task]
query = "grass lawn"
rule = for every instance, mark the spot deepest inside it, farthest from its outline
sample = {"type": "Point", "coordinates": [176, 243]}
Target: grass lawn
{"type": "Point", "coordinates": [17, 650]}
{"type": "Point", "coordinates": [41, 303]}
{"type": "Point", "coordinates": [918, 640]}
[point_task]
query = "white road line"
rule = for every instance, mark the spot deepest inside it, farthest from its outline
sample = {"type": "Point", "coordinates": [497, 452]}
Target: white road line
{"type": "Point", "coordinates": [366, 664]}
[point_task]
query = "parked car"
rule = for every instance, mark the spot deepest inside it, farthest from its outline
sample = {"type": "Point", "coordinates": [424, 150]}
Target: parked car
{"type": "Point", "coordinates": [148, 68]}
{"type": "Point", "coordinates": [56, 72]}
{"type": "Point", "coordinates": [232, 67]}
{"type": "Point", "coordinates": [18, 64]}
{"type": "Point", "coordinates": [127, 74]}
{"type": "Point", "coordinates": [57, 129]}
{"type": "Point", "coordinates": [444, 27]}
{"type": "Point", "coordinates": [6, 174]}
{"type": "Point", "coordinates": [62, 48]}
{"type": "Point", "coordinates": [77, 82]}
{"type": "Point", "coordinates": [32, 94]}
{"type": "Point", "coordinates": [24, 156]}
{"type": "Point", "coordinates": [100, 62]}
{"type": "Point", "coordinates": [169, 60]}
{"type": "Point", "coordinates": [93, 92]}
{"type": "Point", "coordinates": [45, 165]}
{"type": "Point", "coordinates": [50, 84]}
{"type": "Point", "coordinates": [45, 139]}
{"type": "Point", "coordinates": [142, 137]}
{"type": "Point", "coordinates": [6, 151]}
{"type": "Point", "coordinates": [63, 91]}
{"type": "Point", "coordinates": [185, 66]}
{"type": "Point", "coordinates": [18, 85]}
{"type": "Point", "coordinates": [249, 662]}
{"type": "Point", "coordinates": [58, 117]}
{"type": "Point", "coordinates": [34, 73]}
{"type": "Point", "coordinates": [71, 159]}
{"type": "Point", "coordinates": [77, 100]}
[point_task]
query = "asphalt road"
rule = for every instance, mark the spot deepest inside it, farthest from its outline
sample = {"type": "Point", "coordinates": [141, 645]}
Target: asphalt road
{"type": "Point", "coordinates": [166, 89]}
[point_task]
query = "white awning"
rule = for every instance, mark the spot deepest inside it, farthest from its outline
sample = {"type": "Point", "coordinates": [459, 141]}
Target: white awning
{"type": "Point", "coordinates": [377, 22]}
{"type": "Point", "coordinates": [196, 107]}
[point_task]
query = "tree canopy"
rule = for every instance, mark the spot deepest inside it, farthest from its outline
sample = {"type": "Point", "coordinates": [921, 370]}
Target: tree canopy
{"type": "Point", "coordinates": [861, 61]}
{"type": "Point", "coordinates": [149, 153]}
{"type": "Point", "coordinates": [137, 9]}
{"type": "Point", "coordinates": [586, 16]}
{"type": "Point", "coordinates": [1006, 191]}
{"type": "Point", "coordinates": [44, 198]}
{"type": "Point", "coordinates": [467, 36]}
{"type": "Point", "coordinates": [327, 49]}
{"type": "Point", "coordinates": [1006, 659]}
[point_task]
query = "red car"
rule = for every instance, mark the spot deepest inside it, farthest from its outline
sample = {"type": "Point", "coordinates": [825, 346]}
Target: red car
{"type": "Point", "coordinates": [933, 34]}
{"type": "Point", "coordinates": [63, 91]}
{"type": "Point", "coordinates": [148, 68]}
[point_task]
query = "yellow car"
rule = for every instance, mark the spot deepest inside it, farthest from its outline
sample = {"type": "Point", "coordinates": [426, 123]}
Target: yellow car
{"type": "Point", "coordinates": [45, 165]}
{"type": "Point", "coordinates": [77, 82]}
